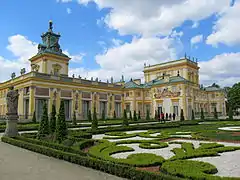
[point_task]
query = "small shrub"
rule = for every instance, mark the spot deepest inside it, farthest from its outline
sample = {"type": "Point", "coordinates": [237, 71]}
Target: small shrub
{"type": "Point", "coordinates": [134, 116]}
{"type": "Point", "coordinates": [182, 116]}
{"type": "Point", "coordinates": [53, 119]}
{"type": "Point", "coordinates": [103, 114]}
{"type": "Point", "coordinates": [193, 117]}
{"type": "Point", "coordinates": [139, 115]}
{"type": "Point", "coordinates": [34, 120]}
{"type": "Point", "coordinates": [44, 124]}
{"type": "Point", "coordinates": [114, 114]}
{"type": "Point", "coordinates": [94, 121]}
{"type": "Point", "coordinates": [74, 121]}
{"type": "Point", "coordinates": [215, 113]}
{"type": "Point", "coordinates": [202, 114]}
{"type": "Point", "coordinates": [130, 115]}
{"type": "Point", "coordinates": [89, 115]}
{"type": "Point", "coordinates": [148, 115]}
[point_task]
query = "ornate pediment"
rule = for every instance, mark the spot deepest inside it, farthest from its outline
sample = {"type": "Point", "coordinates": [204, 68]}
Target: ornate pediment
{"type": "Point", "coordinates": [166, 94]}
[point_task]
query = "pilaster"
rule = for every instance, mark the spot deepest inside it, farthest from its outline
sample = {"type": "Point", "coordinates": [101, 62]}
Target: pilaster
{"type": "Point", "coordinates": [58, 99]}
{"type": "Point", "coordinates": [20, 102]}
{"type": "Point", "coordinates": [80, 113]}
{"type": "Point", "coordinates": [31, 101]}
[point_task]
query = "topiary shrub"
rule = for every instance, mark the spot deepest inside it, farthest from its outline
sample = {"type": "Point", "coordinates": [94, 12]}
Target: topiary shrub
{"type": "Point", "coordinates": [103, 114]}
{"type": "Point", "coordinates": [61, 127]}
{"type": "Point", "coordinates": [139, 115]}
{"type": "Point", "coordinates": [125, 119]}
{"type": "Point", "coordinates": [74, 120]}
{"type": "Point", "coordinates": [114, 114]}
{"type": "Point", "coordinates": [148, 115]}
{"type": "Point", "coordinates": [124, 114]}
{"type": "Point", "coordinates": [44, 124]}
{"type": "Point", "coordinates": [182, 116]}
{"type": "Point", "coordinates": [202, 114]}
{"type": "Point", "coordinates": [53, 119]}
{"type": "Point", "coordinates": [215, 113]}
{"type": "Point", "coordinates": [34, 120]}
{"type": "Point", "coordinates": [94, 121]}
{"type": "Point", "coordinates": [89, 115]}
{"type": "Point", "coordinates": [193, 117]}
{"type": "Point", "coordinates": [130, 115]}
{"type": "Point", "coordinates": [156, 115]}
{"type": "Point", "coordinates": [134, 116]}
{"type": "Point", "coordinates": [230, 113]}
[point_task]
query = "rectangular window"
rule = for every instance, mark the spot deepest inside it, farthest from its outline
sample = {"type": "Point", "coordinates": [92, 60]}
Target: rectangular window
{"type": "Point", "coordinates": [175, 110]}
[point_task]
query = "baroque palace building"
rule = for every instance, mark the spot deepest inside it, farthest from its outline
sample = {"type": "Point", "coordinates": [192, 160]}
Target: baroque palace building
{"type": "Point", "coordinates": [168, 88]}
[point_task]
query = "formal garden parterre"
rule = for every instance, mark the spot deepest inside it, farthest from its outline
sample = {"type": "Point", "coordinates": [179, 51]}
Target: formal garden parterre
{"type": "Point", "coordinates": [154, 150]}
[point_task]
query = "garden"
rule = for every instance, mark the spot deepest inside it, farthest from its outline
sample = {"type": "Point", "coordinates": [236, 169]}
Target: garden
{"type": "Point", "coordinates": [140, 149]}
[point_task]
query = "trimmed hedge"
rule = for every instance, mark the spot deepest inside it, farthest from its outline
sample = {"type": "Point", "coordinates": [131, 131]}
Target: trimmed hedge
{"type": "Point", "coordinates": [105, 166]}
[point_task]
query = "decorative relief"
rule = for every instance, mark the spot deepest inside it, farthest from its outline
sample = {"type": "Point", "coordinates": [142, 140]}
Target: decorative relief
{"type": "Point", "coordinates": [166, 93]}
{"type": "Point", "coordinates": [65, 93]}
{"type": "Point", "coordinates": [35, 67]}
{"type": "Point", "coordinates": [42, 91]}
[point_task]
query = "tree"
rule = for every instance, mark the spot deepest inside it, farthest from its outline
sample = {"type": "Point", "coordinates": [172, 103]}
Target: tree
{"type": "Point", "coordinates": [44, 124]}
{"type": "Point", "coordinates": [125, 119]}
{"type": "Point", "coordinates": [193, 117]}
{"type": "Point", "coordinates": [156, 115]}
{"type": "Point", "coordinates": [202, 114]}
{"type": "Point", "coordinates": [182, 116]}
{"type": "Point", "coordinates": [53, 119]}
{"type": "Point", "coordinates": [233, 96]}
{"type": "Point", "coordinates": [61, 127]}
{"type": "Point", "coordinates": [134, 116]}
{"type": "Point", "coordinates": [34, 120]}
{"type": "Point", "coordinates": [103, 114]}
{"type": "Point", "coordinates": [94, 121]}
{"type": "Point", "coordinates": [139, 115]}
{"type": "Point", "coordinates": [74, 120]}
{"type": "Point", "coordinates": [130, 115]}
{"type": "Point", "coordinates": [215, 113]}
{"type": "Point", "coordinates": [114, 115]}
{"type": "Point", "coordinates": [148, 115]}
{"type": "Point", "coordinates": [89, 115]}
{"type": "Point", "coordinates": [215, 85]}
{"type": "Point", "coordinates": [230, 113]}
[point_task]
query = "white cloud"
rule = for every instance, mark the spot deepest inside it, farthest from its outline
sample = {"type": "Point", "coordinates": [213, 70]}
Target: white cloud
{"type": "Point", "coordinates": [226, 29]}
{"type": "Point", "coordinates": [196, 39]}
{"type": "Point", "coordinates": [69, 10]}
{"type": "Point", "coordinates": [64, 1]}
{"type": "Point", "coordinates": [195, 24]}
{"type": "Point", "coordinates": [157, 17]}
{"type": "Point", "coordinates": [223, 69]}
{"type": "Point", "coordinates": [117, 42]}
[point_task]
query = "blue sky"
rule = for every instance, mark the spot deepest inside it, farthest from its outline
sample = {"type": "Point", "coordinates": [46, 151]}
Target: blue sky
{"type": "Point", "coordinates": [109, 37]}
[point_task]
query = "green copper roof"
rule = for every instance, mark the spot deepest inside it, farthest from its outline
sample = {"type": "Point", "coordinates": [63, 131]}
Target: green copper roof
{"type": "Point", "coordinates": [50, 42]}
{"type": "Point", "coordinates": [173, 79]}
{"type": "Point", "coordinates": [212, 88]}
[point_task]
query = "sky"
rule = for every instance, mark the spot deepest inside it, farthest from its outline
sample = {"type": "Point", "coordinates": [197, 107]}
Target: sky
{"type": "Point", "coordinates": [108, 38]}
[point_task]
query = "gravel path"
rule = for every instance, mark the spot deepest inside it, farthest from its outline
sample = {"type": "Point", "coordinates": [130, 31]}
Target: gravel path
{"type": "Point", "coordinates": [20, 164]}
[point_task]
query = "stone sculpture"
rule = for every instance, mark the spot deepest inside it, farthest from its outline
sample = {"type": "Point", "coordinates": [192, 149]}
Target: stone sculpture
{"type": "Point", "coordinates": [12, 114]}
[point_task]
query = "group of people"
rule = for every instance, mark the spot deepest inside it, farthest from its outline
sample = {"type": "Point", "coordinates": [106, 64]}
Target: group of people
{"type": "Point", "coordinates": [166, 116]}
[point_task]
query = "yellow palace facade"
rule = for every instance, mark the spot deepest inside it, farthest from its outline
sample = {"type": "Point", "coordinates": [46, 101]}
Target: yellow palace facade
{"type": "Point", "coordinates": [168, 87]}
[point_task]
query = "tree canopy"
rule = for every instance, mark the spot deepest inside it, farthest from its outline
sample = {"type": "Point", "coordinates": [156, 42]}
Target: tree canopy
{"type": "Point", "coordinates": [233, 96]}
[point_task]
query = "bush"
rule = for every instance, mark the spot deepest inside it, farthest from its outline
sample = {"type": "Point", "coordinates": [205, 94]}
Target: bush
{"type": "Point", "coordinates": [84, 144]}
{"type": "Point", "coordinates": [156, 115]}
{"type": "Point", "coordinates": [123, 171]}
{"type": "Point", "coordinates": [94, 121]}
{"type": "Point", "coordinates": [230, 113]}
{"type": "Point", "coordinates": [134, 116]}
{"type": "Point", "coordinates": [74, 121]}
{"type": "Point", "coordinates": [34, 120]}
{"type": "Point", "coordinates": [81, 134]}
{"type": "Point", "coordinates": [89, 115]}
{"type": "Point", "coordinates": [148, 115]}
{"type": "Point", "coordinates": [44, 124]}
{"type": "Point", "coordinates": [193, 117]}
{"type": "Point", "coordinates": [114, 114]}
{"type": "Point", "coordinates": [182, 116]}
{"type": "Point", "coordinates": [103, 114]}
{"type": "Point", "coordinates": [61, 128]}
{"type": "Point", "coordinates": [215, 113]}
{"type": "Point", "coordinates": [53, 119]}
{"type": "Point", "coordinates": [125, 119]}
{"type": "Point", "coordinates": [202, 115]}
{"type": "Point", "coordinates": [190, 169]}
{"type": "Point", "coordinates": [139, 115]}
{"type": "Point", "coordinates": [130, 115]}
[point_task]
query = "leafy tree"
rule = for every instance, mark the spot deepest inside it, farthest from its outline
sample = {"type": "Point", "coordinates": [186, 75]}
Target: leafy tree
{"type": "Point", "coordinates": [94, 121]}
{"type": "Point", "coordinates": [202, 114]}
{"type": "Point", "coordinates": [44, 124]}
{"type": "Point", "coordinates": [233, 96]}
{"type": "Point", "coordinates": [182, 116]}
{"type": "Point", "coordinates": [103, 114]}
{"type": "Point", "coordinates": [230, 113]}
{"type": "Point", "coordinates": [134, 116]}
{"type": "Point", "coordinates": [53, 119]}
{"type": "Point", "coordinates": [34, 120]}
{"type": "Point", "coordinates": [114, 115]}
{"type": "Point", "coordinates": [130, 115]}
{"type": "Point", "coordinates": [156, 115]}
{"type": "Point", "coordinates": [125, 119]}
{"type": "Point", "coordinates": [61, 127]}
{"type": "Point", "coordinates": [215, 113]}
{"type": "Point", "coordinates": [74, 120]}
{"type": "Point", "coordinates": [215, 85]}
{"type": "Point", "coordinates": [193, 117]}
{"type": "Point", "coordinates": [148, 115]}
{"type": "Point", "coordinates": [139, 115]}
{"type": "Point", "coordinates": [89, 115]}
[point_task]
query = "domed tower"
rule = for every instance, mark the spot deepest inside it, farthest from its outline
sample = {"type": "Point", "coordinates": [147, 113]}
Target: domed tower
{"type": "Point", "coordinates": [50, 59]}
